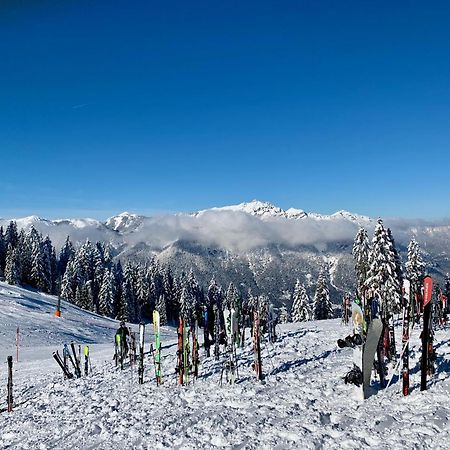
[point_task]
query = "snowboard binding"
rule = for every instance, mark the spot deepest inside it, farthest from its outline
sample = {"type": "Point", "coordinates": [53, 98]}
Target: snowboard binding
{"type": "Point", "coordinates": [350, 341]}
{"type": "Point", "coordinates": [355, 377]}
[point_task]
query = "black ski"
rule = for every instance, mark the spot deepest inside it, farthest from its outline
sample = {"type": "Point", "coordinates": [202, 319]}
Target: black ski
{"type": "Point", "coordinates": [64, 368]}
{"type": "Point", "coordinates": [10, 384]}
{"type": "Point", "coordinates": [77, 363]}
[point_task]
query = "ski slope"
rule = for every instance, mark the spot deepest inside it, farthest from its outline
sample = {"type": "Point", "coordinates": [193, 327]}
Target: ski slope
{"type": "Point", "coordinates": [302, 403]}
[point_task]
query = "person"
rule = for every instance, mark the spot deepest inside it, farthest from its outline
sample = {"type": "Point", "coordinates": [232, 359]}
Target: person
{"type": "Point", "coordinates": [124, 333]}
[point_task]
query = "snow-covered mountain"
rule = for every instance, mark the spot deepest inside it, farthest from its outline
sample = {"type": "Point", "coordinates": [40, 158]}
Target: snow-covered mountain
{"type": "Point", "coordinates": [303, 401]}
{"type": "Point", "coordinates": [261, 209]}
{"type": "Point", "coordinates": [255, 244]}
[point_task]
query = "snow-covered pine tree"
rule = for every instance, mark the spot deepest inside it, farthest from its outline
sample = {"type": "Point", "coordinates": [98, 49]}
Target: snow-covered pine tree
{"type": "Point", "coordinates": [24, 247]}
{"type": "Point", "coordinates": [215, 294]}
{"type": "Point", "coordinates": [415, 266]}
{"type": "Point", "coordinates": [360, 252]}
{"type": "Point", "coordinates": [41, 270]}
{"type": "Point", "coordinates": [65, 255]}
{"type": "Point", "coordinates": [107, 294]}
{"type": "Point", "coordinates": [118, 282]}
{"type": "Point", "coordinates": [283, 315]}
{"type": "Point", "coordinates": [12, 268]}
{"type": "Point", "coordinates": [169, 293]}
{"type": "Point", "coordinates": [143, 290]}
{"type": "Point", "coordinates": [69, 281]}
{"type": "Point", "coordinates": [11, 235]}
{"type": "Point", "coordinates": [382, 275]}
{"type": "Point", "coordinates": [322, 307]}
{"type": "Point", "coordinates": [186, 305]}
{"type": "Point", "coordinates": [301, 310]}
{"type": "Point", "coordinates": [232, 297]}
{"type": "Point", "coordinates": [161, 308]}
{"type": "Point", "coordinates": [196, 292]}
{"type": "Point", "coordinates": [129, 293]}
{"type": "Point", "coordinates": [263, 309]}
{"type": "Point", "coordinates": [251, 302]}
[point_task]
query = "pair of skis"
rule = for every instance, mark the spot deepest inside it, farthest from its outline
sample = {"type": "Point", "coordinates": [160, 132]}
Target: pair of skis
{"type": "Point", "coordinates": [74, 360]}
{"type": "Point", "coordinates": [157, 352]}
{"type": "Point", "coordinates": [257, 362]}
{"type": "Point", "coordinates": [231, 329]}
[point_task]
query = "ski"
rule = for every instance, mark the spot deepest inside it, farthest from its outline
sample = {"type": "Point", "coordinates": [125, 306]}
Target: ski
{"type": "Point", "coordinates": [426, 354]}
{"type": "Point", "coordinates": [119, 351]}
{"type": "Point", "coordinates": [77, 363]}
{"type": "Point", "coordinates": [67, 373]}
{"type": "Point", "coordinates": [69, 357]}
{"type": "Point", "coordinates": [10, 384]}
{"type": "Point", "coordinates": [195, 348]}
{"type": "Point", "coordinates": [216, 333]}
{"type": "Point", "coordinates": [230, 365]}
{"type": "Point", "coordinates": [87, 360]}
{"type": "Point", "coordinates": [186, 353]}
{"type": "Point", "coordinates": [156, 331]}
{"type": "Point", "coordinates": [206, 330]}
{"type": "Point", "coordinates": [141, 353]}
{"type": "Point", "coordinates": [405, 336]}
{"type": "Point", "coordinates": [180, 352]}
{"type": "Point", "coordinates": [257, 364]}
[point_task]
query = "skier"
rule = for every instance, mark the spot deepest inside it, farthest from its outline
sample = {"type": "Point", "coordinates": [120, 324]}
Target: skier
{"type": "Point", "coordinates": [123, 332]}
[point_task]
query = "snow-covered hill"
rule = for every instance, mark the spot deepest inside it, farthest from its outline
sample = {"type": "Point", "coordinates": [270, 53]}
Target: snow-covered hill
{"type": "Point", "coordinates": [303, 401]}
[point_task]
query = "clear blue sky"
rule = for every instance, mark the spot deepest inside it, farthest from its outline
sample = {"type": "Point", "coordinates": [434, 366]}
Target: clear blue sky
{"type": "Point", "coordinates": [153, 106]}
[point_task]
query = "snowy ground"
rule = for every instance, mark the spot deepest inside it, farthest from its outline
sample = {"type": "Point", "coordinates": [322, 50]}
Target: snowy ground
{"type": "Point", "coordinates": [302, 403]}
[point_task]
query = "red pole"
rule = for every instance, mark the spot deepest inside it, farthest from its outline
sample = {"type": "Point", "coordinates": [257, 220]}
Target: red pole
{"type": "Point", "coordinates": [17, 344]}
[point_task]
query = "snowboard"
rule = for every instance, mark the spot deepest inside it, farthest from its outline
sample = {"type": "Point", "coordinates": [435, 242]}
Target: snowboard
{"type": "Point", "coordinates": [370, 346]}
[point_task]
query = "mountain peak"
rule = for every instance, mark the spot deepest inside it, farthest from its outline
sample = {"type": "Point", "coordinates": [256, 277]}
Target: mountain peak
{"type": "Point", "coordinates": [262, 209]}
{"type": "Point", "coordinates": [124, 221]}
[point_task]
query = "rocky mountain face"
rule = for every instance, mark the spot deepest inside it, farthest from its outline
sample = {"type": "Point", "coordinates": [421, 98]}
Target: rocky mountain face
{"type": "Point", "coordinates": [256, 245]}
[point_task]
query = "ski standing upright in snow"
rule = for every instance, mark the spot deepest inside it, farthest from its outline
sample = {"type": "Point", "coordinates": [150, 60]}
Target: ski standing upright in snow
{"type": "Point", "coordinates": [141, 353]}
{"type": "Point", "coordinates": [10, 384]}
{"type": "Point", "coordinates": [427, 343]}
{"type": "Point", "coordinates": [156, 330]}
{"type": "Point", "coordinates": [405, 336]}
{"type": "Point", "coordinates": [180, 369]}
{"type": "Point", "coordinates": [257, 363]}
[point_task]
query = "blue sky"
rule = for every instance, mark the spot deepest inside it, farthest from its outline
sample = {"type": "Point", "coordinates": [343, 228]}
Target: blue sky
{"type": "Point", "coordinates": [174, 106]}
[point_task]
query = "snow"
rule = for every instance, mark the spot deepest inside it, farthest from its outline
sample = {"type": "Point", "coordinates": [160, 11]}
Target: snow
{"type": "Point", "coordinates": [302, 403]}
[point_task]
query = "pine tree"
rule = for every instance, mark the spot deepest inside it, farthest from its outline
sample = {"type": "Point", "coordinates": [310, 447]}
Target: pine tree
{"type": "Point", "coordinates": [129, 294]}
{"type": "Point", "coordinates": [65, 255]}
{"type": "Point", "coordinates": [12, 268]}
{"type": "Point", "coordinates": [24, 246]}
{"type": "Point", "coordinates": [69, 282]}
{"type": "Point", "coordinates": [283, 315]}
{"type": "Point", "coordinates": [161, 308]}
{"type": "Point", "coordinates": [415, 266]}
{"type": "Point", "coordinates": [143, 290]}
{"type": "Point", "coordinates": [232, 297]}
{"type": "Point", "coordinates": [361, 251]}
{"type": "Point", "coordinates": [11, 235]}
{"type": "Point", "coordinates": [382, 275]}
{"type": "Point", "coordinates": [322, 306]}
{"type": "Point", "coordinates": [186, 305]}
{"type": "Point", "coordinates": [107, 294]}
{"type": "Point", "coordinates": [301, 310]}
{"type": "Point", "coordinates": [118, 282]}
{"type": "Point", "coordinates": [214, 294]}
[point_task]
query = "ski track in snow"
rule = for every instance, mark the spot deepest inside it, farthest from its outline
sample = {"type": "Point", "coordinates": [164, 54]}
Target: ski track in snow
{"type": "Point", "coordinates": [303, 402]}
